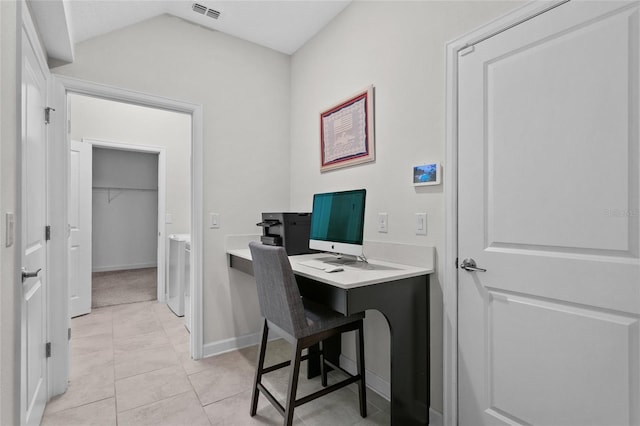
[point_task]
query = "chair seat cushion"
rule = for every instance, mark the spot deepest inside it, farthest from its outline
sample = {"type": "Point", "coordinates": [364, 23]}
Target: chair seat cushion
{"type": "Point", "coordinates": [320, 318]}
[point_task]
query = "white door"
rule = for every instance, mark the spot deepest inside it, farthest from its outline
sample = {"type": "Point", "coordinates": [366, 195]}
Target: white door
{"type": "Point", "coordinates": [549, 206]}
{"type": "Point", "coordinates": [80, 179]}
{"type": "Point", "coordinates": [34, 285]}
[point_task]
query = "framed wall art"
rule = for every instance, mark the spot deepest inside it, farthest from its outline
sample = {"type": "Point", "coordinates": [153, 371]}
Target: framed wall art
{"type": "Point", "coordinates": [346, 132]}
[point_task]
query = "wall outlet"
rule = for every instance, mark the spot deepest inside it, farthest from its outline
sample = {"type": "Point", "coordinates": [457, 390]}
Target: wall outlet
{"type": "Point", "coordinates": [214, 220]}
{"type": "Point", "coordinates": [421, 224]}
{"type": "Point", "coordinates": [383, 222]}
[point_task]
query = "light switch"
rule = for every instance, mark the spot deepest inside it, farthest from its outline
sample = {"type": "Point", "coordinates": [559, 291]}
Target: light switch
{"type": "Point", "coordinates": [168, 218]}
{"type": "Point", "coordinates": [421, 224]}
{"type": "Point", "coordinates": [383, 222]}
{"type": "Point", "coordinates": [214, 220]}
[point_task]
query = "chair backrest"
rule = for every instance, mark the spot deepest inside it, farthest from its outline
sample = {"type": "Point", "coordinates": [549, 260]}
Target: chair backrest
{"type": "Point", "coordinates": [278, 292]}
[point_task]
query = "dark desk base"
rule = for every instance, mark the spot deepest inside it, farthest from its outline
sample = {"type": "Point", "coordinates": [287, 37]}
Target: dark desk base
{"type": "Point", "coordinates": [405, 305]}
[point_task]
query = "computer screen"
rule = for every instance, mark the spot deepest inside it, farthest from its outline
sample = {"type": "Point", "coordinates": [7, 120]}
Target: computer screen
{"type": "Point", "coordinates": [337, 222]}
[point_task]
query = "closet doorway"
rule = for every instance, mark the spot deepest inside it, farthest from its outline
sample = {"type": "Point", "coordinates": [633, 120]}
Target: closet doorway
{"type": "Point", "coordinates": [139, 194]}
{"type": "Point", "coordinates": [124, 243]}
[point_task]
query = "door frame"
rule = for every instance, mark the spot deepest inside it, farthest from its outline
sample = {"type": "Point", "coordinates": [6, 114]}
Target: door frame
{"type": "Point", "coordinates": [27, 33]}
{"type": "Point", "coordinates": [450, 268]}
{"type": "Point", "coordinates": [162, 199]}
{"type": "Point", "coordinates": [60, 164]}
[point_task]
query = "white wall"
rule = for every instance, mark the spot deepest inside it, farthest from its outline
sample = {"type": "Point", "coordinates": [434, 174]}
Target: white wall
{"type": "Point", "coordinates": [9, 172]}
{"type": "Point", "coordinates": [244, 90]}
{"type": "Point", "coordinates": [125, 221]}
{"type": "Point", "coordinates": [124, 169]}
{"type": "Point", "coordinates": [399, 47]}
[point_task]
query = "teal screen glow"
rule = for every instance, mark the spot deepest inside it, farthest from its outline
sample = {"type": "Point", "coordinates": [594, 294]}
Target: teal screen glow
{"type": "Point", "coordinates": [338, 216]}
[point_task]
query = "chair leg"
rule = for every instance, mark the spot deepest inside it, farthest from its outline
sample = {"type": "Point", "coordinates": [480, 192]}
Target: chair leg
{"type": "Point", "coordinates": [293, 383]}
{"type": "Point", "coordinates": [259, 367]}
{"type": "Point", "coordinates": [323, 367]}
{"type": "Point", "coordinates": [362, 387]}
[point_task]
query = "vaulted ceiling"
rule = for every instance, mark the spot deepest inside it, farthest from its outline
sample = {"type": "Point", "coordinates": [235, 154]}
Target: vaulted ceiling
{"type": "Point", "coordinates": [283, 25]}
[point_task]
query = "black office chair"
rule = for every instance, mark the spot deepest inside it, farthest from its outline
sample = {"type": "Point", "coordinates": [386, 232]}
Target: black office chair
{"type": "Point", "coordinates": [303, 324]}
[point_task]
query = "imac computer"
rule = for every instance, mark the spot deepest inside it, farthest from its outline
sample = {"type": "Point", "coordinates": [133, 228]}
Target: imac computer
{"type": "Point", "coordinates": [337, 222]}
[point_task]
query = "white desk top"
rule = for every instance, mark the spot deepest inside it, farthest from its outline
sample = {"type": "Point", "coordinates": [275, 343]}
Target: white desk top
{"type": "Point", "coordinates": [354, 275]}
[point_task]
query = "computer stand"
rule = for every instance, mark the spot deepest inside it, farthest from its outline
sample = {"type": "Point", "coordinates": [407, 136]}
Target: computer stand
{"type": "Point", "coordinates": [343, 259]}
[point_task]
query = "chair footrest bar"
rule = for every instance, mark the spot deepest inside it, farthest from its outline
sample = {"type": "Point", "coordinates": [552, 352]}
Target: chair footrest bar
{"type": "Point", "coordinates": [335, 367]}
{"type": "Point", "coordinates": [271, 399]}
{"type": "Point", "coordinates": [326, 390]}
{"type": "Point", "coordinates": [275, 367]}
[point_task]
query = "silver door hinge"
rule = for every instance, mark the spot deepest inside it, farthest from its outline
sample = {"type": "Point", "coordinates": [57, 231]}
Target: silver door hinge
{"type": "Point", "coordinates": [47, 232]}
{"type": "Point", "coordinates": [466, 50]}
{"type": "Point", "coordinates": [47, 350]}
{"type": "Point", "coordinates": [456, 263]}
{"type": "Point", "coordinates": [47, 114]}
{"type": "Point", "coordinates": [69, 333]}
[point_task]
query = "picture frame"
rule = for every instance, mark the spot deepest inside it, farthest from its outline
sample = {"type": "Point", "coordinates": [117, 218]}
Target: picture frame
{"type": "Point", "coordinates": [347, 132]}
{"type": "Point", "coordinates": [427, 174]}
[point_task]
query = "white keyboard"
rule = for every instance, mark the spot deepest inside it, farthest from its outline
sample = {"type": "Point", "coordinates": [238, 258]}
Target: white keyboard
{"type": "Point", "coordinates": [315, 264]}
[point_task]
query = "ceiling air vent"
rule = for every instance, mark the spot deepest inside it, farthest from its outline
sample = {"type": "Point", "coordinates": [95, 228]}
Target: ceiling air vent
{"type": "Point", "coordinates": [199, 8]}
{"type": "Point", "coordinates": [204, 10]}
{"type": "Point", "coordinates": [211, 13]}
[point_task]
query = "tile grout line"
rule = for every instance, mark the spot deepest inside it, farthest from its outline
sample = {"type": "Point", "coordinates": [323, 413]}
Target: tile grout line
{"type": "Point", "coordinates": [193, 389]}
{"type": "Point", "coordinates": [78, 406]}
{"type": "Point", "coordinates": [177, 354]}
{"type": "Point", "coordinates": [113, 350]}
{"type": "Point", "coordinates": [155, 402]}
{"type": "Point", "coordinates": [148, 371]}
{"type": "Point", "coordinates": [176, 345]}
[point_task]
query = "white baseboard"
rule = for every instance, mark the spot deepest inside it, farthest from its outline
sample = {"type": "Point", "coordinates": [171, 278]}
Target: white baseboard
{"type": "Point", "coordinates": [435, 418]}
{"type": "Point", "coordinates": [228, 345]}
{"type": "Point", "coordinates": [123, 267]}
{"type": "Point", "coordinates": [374, 382]}
{"type": "Point", "coordinates": [383, 388]}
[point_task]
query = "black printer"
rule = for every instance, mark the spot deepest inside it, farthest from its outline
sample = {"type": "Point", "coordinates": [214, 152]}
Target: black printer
{"type": "Point", "coordinates": [290, 230]}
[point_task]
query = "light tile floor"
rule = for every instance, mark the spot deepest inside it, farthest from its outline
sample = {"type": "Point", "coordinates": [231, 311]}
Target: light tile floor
{"type": "Point", "coordinates": [131, 366]}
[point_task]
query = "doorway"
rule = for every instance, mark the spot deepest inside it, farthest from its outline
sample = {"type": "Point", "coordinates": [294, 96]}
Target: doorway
{"type": "Point", "coordinates": [62, 87]}
{"type": "Point", "coordinates": [141, 159]}
{"type": "Point", "coordinates": [124, 211]}
{"type": "Point", "coordinates": [139, 194]}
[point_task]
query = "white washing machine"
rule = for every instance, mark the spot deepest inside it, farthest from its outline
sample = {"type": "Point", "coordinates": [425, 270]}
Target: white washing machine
{"type": "Point", "coordinates": [187, 284]}
{"type": "Point", "coordinates": [176, 273]}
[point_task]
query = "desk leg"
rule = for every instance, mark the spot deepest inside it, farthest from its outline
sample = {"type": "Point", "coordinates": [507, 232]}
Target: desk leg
{"type": "Point", "coordinates": [332, 349]}
{"type": "Point", "coordinates": [405, 304]}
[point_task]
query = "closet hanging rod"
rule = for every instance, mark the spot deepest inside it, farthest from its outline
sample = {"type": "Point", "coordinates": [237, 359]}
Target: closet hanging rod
{"type": "Point", "coordinates": [124, 189]}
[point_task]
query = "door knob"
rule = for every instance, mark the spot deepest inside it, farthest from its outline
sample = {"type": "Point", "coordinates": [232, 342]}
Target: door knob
{"type": "Point", "coordinates": [26, 274]}
{"type": "Point", "coordinates": [470, 265]}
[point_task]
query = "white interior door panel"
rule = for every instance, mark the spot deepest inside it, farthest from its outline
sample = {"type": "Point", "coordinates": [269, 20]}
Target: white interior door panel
{"type": "Point", "coordinates": [549, 206]}
{"type": "Point", "coordinates": [80, 180]}
{"type": "Point", "coordinates": [34, 245]}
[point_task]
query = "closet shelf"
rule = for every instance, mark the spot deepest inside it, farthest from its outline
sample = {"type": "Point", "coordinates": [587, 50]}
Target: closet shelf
{"type": "Point", "coordinates": [118, 191]}
{"type": "Point", "coordinates": [124, 189]}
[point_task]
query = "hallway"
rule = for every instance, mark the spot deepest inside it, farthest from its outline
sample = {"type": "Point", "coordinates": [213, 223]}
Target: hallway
{"type": "Point", "coordinates": [131, 366]}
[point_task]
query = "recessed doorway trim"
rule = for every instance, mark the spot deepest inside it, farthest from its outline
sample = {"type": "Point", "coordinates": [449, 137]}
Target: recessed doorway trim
{"type": "Point", "coordinates": [73, 85]}
{"type": "Point", "coordinates": [162, 194]}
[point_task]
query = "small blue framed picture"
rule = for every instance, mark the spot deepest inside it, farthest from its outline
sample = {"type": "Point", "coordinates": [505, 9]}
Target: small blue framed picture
{"type": "Point", "coordinates": [426, 174]}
